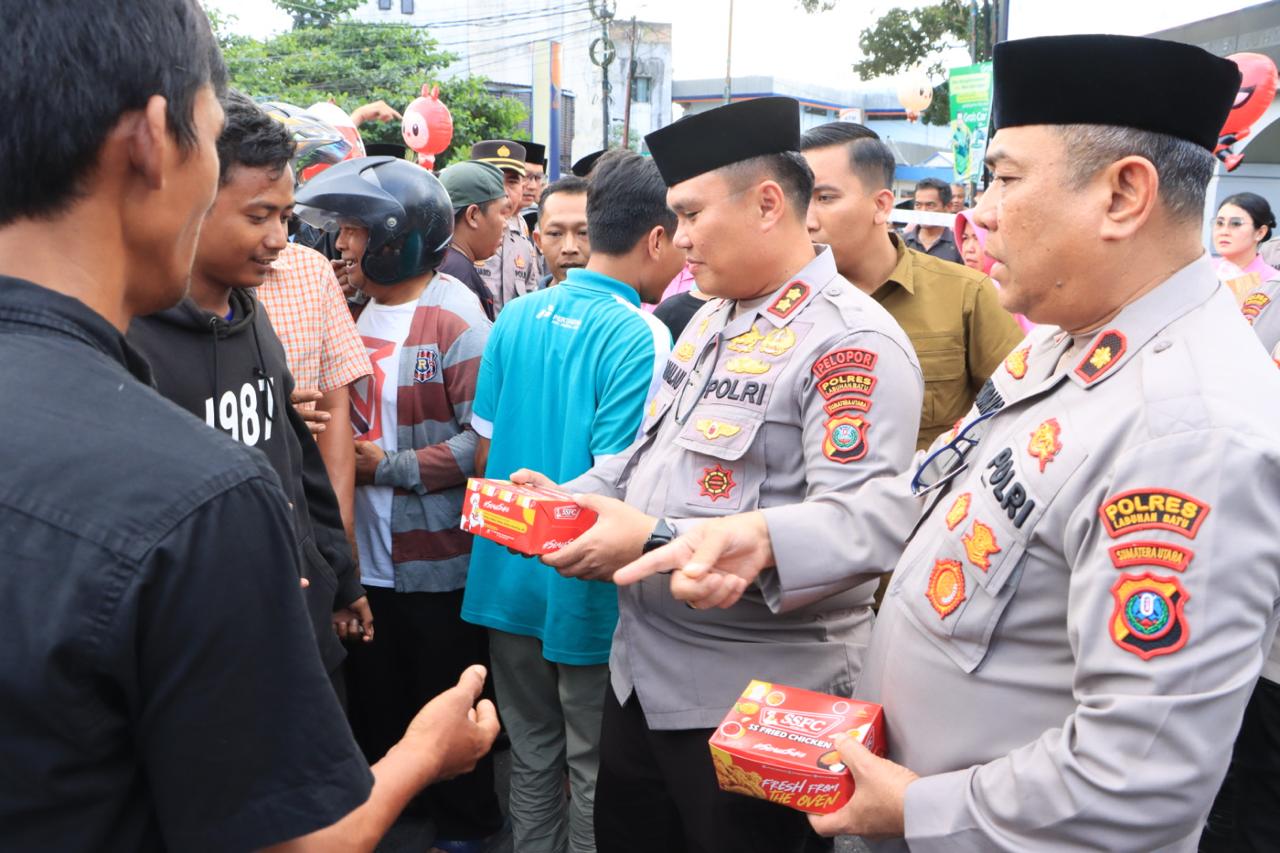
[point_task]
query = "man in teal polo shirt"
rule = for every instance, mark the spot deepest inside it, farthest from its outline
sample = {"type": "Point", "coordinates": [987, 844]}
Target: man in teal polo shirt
{"type": "Point", "coordinates": [563, 383]}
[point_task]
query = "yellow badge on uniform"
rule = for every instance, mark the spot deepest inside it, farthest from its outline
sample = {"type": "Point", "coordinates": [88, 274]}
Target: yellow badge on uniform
{"type": "Point", "coordinates": [745, 342]}
{"type": "Point", "coordinates": [712, 429]}
{"type": "Point", "coordinates": [684, 352]}
{"type": "Point", "coordinates": [959, 510]}
{"type": "Point", "coordinates": [1044, 444]}
{"type": "Point", "coordinates": [1016, 363]}
{"type": "Point", "coordinates": [746, 364]}
{"type": "Point", "coordinates": [979, 544]}
{"type": "Point", "coordinates": [778, 341]}
{"type": "Point", "coordinates": [946, 587]}
{"type": "Point", "coordinates": [520, 262]}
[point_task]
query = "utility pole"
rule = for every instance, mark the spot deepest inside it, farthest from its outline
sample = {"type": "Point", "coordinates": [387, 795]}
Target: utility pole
{"type": "Point", "coordinates": [602, 53]}
{"type": "Point", "coordinates": [728, 60]}
{"type": "Point", "coordinates": [631, 79]}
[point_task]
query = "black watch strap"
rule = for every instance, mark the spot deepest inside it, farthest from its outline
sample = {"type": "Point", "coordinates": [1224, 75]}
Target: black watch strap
{"type": "Point", "coordinates": [661, 535]}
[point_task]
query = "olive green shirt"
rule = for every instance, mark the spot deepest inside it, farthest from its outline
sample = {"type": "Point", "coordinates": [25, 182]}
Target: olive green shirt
{"type": "Point", "coordinates": [961, 334]}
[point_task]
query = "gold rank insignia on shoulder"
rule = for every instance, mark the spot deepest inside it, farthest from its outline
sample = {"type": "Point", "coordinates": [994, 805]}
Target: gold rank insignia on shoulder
{"type": "Point", "coordinates": [1107, 349]}
{"type": "Point", "coordinates": [746, 364]}
{"type": "Point", "coordinates": [778, 341]}
{"type": "Point", "coordinates": [746, 342]}
{"type": "Point", "coordinates": [790, 299]}
{"type": "Point", "coordinates": [684, 352]}
{"type": "Point", "coordinates": [712, 429]}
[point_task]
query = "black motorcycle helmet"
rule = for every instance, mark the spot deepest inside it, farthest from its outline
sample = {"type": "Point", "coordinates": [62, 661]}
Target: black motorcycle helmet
{"type": "Point", "coordinates": [407, 211]}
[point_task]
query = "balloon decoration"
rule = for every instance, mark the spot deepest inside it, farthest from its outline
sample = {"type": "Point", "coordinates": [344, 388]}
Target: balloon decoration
{"type": "Point", "coordinates": [1257, 91]}
{"type": "Point", "coordinates": [915, 93]}
{"type": "Point", "coordinates": [428, 126]}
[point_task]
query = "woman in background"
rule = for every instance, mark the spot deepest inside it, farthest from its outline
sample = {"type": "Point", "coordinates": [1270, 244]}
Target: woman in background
{"type": "Point", "coordinates": [1244, 222]}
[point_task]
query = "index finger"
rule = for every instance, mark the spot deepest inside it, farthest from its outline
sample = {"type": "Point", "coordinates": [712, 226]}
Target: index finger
{"type": "Point", "coordinates": [673, 555]}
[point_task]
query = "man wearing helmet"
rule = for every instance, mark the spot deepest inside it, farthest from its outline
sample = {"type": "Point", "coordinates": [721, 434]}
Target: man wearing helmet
{"type": "Point", "coordinates": [425, 333]}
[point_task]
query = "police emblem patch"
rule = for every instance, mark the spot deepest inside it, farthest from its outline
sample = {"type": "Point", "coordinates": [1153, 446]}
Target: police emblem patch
{"type": "Point", "coordinates": [979, 544]}
{"type": "Point", "coordinates": [1148, 618]}
{"type": "Point", "coordinates": [1016, 362]}
{"type": "Point", "coordinates": [946, 587]}
{"type": "Point", "coordinates": [959, 510]}
{"type": "Point", "coordinates": [790, 299]}
{"type": "Point", "coordinates": [1107, 349]}
{"type": "Point", "coordinates": [846, 439]}
{"type": "Point", "coordinates": [716, 483]}
{"type": "Point", "coordinates": [684, 352]}
{"type": "Point", "coordinates": [424, 366]}
{"type": "Point", "coordinates": [1044, 444]}
{"type": "Point", "coordinates": [1153, 509]}
{"type": "Point", "coordinates": [520, 262]}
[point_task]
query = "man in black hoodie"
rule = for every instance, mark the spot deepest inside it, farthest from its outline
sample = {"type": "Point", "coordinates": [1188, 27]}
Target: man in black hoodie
{"type": "Point", "coordinates": [216, 355]}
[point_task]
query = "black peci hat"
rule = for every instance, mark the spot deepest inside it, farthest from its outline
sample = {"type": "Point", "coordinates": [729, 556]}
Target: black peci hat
{"type": "Point", "coordinates": [1147, 84]}
{"type": "Point", "coordinates": [725, 135]}
{"type": "Point", "coordinates": [535, 152]}
{"type": "Point", "coordinates": [584, 165]}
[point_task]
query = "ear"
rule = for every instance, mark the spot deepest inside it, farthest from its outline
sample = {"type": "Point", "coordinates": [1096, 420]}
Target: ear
{"type": "Point", "coordinates": [145, 135]}
{"type": "Point", "coordinates": [1132, 186]}
{"type": "Point", "coordinates": [772, 204]}
{"type": "Point", "coordinates": [471, 216]}
{"type": "Point", "coordinates": [884, 205]}
{"type": "Point", "coordinates": [656, 243]}
{"type": "Point", "coordinates": [537, 238]}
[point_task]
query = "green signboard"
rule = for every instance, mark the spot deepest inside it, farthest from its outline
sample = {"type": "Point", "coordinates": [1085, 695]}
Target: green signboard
{"type": "Point", "coordinates": [970, 116]}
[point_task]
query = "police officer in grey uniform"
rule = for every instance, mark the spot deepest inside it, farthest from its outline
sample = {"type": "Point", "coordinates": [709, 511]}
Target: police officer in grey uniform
{"type": "Point", "coordinates": [511, 271]}
{"type": "Point", "coordinates": [1260, 309]}
{"type": "Point", "coordinates": [792, 385]}
{"type": "Point", "coordinates": [1089, 585]}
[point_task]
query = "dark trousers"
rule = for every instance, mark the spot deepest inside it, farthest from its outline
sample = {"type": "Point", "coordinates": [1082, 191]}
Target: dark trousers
{"type": "Point", "coordinates": [1246, 814]}
{"type": "Point", "coordinates": [657, 791]}
{"type": "Point", "coordinates": [420, 647]}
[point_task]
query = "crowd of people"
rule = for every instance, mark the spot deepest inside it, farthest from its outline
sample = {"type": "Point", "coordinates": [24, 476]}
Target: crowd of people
{"type": "Point", "coordinates": [1013, 479]}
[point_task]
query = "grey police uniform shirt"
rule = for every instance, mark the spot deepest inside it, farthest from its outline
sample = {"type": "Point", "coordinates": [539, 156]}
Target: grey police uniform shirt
{"type": "Point", "coordinates": [512, 271]}
{"type": "Point", "coordinates": [1077, 622]}
{"type": "Point", "coordinates": [1261, 311]}
{"type": "Point", "coordinates": [811, 390]}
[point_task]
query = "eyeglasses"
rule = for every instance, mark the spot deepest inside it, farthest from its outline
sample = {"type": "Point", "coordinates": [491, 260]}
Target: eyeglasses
{"type": "Point", "coordinates": [1233, 222]}
{"type": "Point", "coordinates": [947, 462]}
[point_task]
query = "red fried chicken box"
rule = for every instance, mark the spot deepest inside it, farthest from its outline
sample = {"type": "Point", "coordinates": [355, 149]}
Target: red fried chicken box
{"type": "Point", "coordinates": [528, 519]}
{"type": "Point", "coordinates": [776, 744]}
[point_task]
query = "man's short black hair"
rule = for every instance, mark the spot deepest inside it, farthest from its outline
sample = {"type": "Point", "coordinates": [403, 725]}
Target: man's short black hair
{"type": "Point", "coordinates": [71, 71]}
{"type": "Point", "coordinates": [571, 184]}
{"type": "Point", "coordinates": [943, 188]}
{"type": "Point", "coordinates": [626, 199]}
{"type": "Point", "coordinates": [250, 137]}
{"type": "Point", "coordinates": [869, 158]}
{"type": "Point", "coordinates": [788, 169]}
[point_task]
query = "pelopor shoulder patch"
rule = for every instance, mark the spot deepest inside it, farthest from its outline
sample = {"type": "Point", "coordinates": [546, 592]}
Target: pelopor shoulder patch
{"type": "Point", "coordinates": [1153, 509]}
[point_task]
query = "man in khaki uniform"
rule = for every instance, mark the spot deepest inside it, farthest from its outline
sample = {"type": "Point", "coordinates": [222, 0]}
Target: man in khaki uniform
{"type": "Point", "coordinates": [951, 313]}
{"type": "Point", "coordinates": [1088, 590]}
{"type": "Point", "coordinates": [512, 271]}
{"type": "Point", "coordinates": [791, 384]}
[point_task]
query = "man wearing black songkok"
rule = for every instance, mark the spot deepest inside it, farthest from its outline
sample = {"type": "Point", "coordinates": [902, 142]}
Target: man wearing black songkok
{"type": "Point", "coordinates": [1088, 588]}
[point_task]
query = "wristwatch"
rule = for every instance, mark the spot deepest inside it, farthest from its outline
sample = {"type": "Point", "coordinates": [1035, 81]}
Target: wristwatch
{"type": "Point", "coordinates": [661, 535]}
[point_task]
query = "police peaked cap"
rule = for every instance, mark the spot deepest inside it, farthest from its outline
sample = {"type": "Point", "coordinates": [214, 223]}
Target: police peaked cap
{"type": "Point", "coordinates": [502, 153]}
{"type": "Point", "coordinates": [1146, 84]}
{"type": "Point", "coordinates": [725, 135]}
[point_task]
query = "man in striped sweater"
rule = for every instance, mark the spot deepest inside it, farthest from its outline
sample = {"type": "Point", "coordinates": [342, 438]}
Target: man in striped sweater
{"type": "Point", "coordinates": [425, 333]}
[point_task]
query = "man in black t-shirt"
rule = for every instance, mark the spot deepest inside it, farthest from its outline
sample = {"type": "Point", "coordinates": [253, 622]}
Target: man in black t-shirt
{"type": "Point", "coordinates": [159, 682]}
